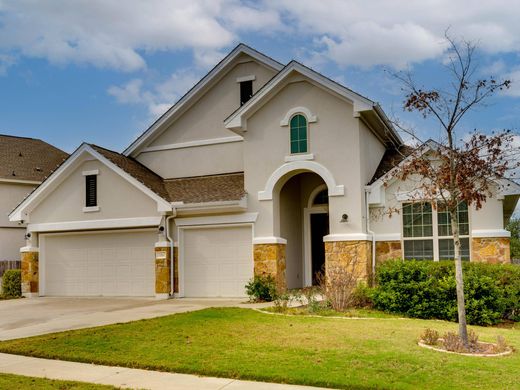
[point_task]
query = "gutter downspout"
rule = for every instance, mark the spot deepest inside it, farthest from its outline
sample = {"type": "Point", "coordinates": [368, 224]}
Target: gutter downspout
{"type": "Point", "coordinates": [373, 236]}
{"type": "Point", "coordinates": [172, 250]}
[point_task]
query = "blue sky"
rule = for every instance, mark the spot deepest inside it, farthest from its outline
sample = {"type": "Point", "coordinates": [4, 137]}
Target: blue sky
{"type": "Point", "coordinates": [102, 71]}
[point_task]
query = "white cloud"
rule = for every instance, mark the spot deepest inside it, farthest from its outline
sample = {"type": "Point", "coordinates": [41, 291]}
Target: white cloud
{"type": "Point", "coordinates": [117, 35]}
{"type": "Point", "coordinates": [514, 88]}
{"type": "Point", "coordinates": [159, 96]}
{"type": "Point", "coordinates": [5, 62]}
{"type": "Point", "coordinates": [128, 93]}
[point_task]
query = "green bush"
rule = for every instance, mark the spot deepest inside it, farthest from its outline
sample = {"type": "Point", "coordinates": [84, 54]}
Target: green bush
{"type": "Point", "coordinates": [426, 289]}
{"type": "Point", "coordinates": [261, 289]}
{"type": "Point", "coordinates": [12, 283]}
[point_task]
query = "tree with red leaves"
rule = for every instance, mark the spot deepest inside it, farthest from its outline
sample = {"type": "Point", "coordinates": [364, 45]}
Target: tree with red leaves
{"type": "Point", "coordinates": [457, 170]}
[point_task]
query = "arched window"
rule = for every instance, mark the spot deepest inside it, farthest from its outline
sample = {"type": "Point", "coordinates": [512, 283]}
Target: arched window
{"type": "Point", "coordinates": [298, 134]}
{"type": "Point", "coordinates": [321, 198]}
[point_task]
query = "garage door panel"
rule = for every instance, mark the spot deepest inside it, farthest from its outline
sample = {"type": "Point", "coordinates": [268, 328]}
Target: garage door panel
{"type": "Point", "coordinates": [99, 264]}
{"type": "Point", "coordinates": [217, 261]}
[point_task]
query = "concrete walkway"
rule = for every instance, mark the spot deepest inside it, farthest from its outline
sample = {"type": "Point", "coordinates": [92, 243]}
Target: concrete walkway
{"type": "Point", "coordinates": [125, 377]}
{"type": "Point", "coordinates": [35, 316]}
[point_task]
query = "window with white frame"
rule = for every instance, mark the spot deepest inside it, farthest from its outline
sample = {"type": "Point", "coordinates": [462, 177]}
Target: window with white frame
{"type": "Point", "coordinates": [427, 233]}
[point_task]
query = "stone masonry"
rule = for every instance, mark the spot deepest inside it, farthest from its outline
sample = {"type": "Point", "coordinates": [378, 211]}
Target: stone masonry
{"type": "Point", "coordinates": [491, 250]}
{"type": "Point", "coordinates": [350, 256]}
{"type": "Point", "coordinates": [269, 259]}
{"type": "Point", "coordinates": [162, 270]}
{"type": "Point", "coordinates": [30, 274]}
{"type": "Point", "coordinates": [388, 250]}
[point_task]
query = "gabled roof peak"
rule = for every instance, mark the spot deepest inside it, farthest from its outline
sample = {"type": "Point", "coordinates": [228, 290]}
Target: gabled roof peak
{"type": "Point", "coordinates": [199, 88]}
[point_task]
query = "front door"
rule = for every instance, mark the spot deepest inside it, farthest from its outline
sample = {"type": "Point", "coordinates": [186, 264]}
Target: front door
{"type": "Point", "coordinates": [319, 229]}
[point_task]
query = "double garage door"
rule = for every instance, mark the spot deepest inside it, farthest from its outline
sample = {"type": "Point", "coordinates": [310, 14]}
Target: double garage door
{"type": "Point", "coordinates": [216, 262]}
{"type": "Point", "coordinates": [98, 264]}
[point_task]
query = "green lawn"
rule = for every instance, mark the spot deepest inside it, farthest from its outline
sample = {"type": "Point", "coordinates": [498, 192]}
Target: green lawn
{"type": "Point", "coordinates": [242, 343]}
{"type": "Point", "coordinates": [17, 382]}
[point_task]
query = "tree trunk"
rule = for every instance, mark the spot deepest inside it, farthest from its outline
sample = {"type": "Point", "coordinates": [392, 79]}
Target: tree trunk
{"type": "Point", "coordinates": [461, 306]}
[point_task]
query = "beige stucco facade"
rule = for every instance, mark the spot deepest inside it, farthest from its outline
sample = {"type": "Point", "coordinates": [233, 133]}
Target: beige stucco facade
{"type": "Point", "coordinates": [208, 133]}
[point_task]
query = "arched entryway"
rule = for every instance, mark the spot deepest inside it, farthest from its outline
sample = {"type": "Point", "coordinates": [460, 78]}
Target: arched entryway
{"type": "Point", "coordinates": [304, 221]}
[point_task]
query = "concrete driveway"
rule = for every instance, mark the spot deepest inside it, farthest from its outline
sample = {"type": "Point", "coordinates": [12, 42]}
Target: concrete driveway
{"type": "Point", "coordinates": [30, 317]}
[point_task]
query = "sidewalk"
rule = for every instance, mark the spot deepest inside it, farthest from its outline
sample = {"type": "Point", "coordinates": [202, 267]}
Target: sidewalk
{"type": "Point", "coordinates": [125, 377]}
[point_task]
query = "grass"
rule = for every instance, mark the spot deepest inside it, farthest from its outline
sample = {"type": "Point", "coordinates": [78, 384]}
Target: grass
{"type": "Point", "coordinates": [242, 343]}
{"type": "Point", "coordinates": [18, 382]}
{"type": "Point", "coordinates": [359, 313]}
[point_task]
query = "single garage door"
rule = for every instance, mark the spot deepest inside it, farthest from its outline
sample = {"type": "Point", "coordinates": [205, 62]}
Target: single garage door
{"type": "Point", "coordinates": [218, 262]}
{"type": "Point", "coordinates": [98, 264]}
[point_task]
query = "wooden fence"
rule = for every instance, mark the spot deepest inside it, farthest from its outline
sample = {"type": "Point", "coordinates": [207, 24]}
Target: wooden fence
{"type": "Point", "coordinates": [9, 264]}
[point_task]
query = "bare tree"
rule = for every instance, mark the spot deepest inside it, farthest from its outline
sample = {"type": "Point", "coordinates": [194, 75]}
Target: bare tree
{"type": "Point", "coordinates": [459, 170]}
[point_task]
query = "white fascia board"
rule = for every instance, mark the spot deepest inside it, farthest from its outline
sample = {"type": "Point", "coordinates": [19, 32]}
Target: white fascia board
{"type": "Point", "coordinates": [217, 219]}
{"type": "Point", "coordinates": [236, 121]}
{"type": "Point", "coordinates": [194, 92]}
{"type": "Point", "coordinates": [191, 144]}
{"type": "Point", "coordinates": [41, 191]}
{"type": "Point", "coordinates": [95, 224]}
{"type": "Point", "coordinates": [211, 207]}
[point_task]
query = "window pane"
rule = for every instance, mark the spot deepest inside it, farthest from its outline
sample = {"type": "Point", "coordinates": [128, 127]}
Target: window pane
{"type": "Point", "coordinates": [418, 249]}
{"type": "Point", "coordinates": [417, 220]}
{"type": "Point", "coordinates": [447, 249]}
{"type": "Point", "coordinates": [298, 134]}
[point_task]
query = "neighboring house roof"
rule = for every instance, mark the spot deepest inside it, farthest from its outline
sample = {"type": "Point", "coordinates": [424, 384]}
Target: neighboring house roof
{"type": "Point", "coordinates": [200, 88]}
{"type": "Point", "coordinates": [213, 188]}
{"type": "Point", "coordinates": [362, 105]}
{"type": "Point", "coordinates": [392, 158]}
{"type": "Point", "coordinates": [28, 159]}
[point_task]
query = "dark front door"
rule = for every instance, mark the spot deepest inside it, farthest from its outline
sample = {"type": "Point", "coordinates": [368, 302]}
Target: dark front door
{"type": "Point", "coordinates": [319, 228]}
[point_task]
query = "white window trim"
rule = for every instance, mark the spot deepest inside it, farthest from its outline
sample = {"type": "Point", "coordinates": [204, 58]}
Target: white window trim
{"type": "Point", "coordinates": [311, 118]}
{"type": "Point", "coordinates": [250, 77]}
{"type": "Point", "coordinates": [90, 173]}
{"type": "Point", "coordinates": [300, 157]}
{"type": "Point", "coordinates": [91, 209]}
{"type": "Point", "coordinates": [435, 229]}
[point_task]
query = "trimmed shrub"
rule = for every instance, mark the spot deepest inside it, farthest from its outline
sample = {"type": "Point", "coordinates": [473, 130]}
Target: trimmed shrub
{"type": "Point", "coordinates": [427, 289]}
{"type": "Point", "coordinates": [261, 289]}
{"type": "Point", "coordinates": [12, 283]}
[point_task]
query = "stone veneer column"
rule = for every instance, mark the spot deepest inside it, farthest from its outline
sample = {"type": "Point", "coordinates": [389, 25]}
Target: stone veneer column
{"type": "Point", "coordinates": [162, 270]}
{"type": "Point", "coordinates": [388, 250]}
{"type": "Point", "coordinates": [30, 274]}
{"type": "Point", "coordinates": [176, 269]}
{"type": "Point", "coordinates": [491, 250]}
{"type": "Point", "coordinates": [269, 259]}
{"type": "Point", "coordinates": [351, 256]}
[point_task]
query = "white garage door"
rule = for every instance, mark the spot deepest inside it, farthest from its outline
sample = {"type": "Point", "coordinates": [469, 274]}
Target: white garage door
{"type": "Point", "coordinates": [98, 264]}
{"type": "Point", "coordinates": [218, 262]}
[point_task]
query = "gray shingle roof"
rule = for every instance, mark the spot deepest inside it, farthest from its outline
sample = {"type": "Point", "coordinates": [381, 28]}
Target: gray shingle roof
{"type": "Point", "coordinates": [28, 158]}
{"type": "Point", "coordinates": [211, 188]}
